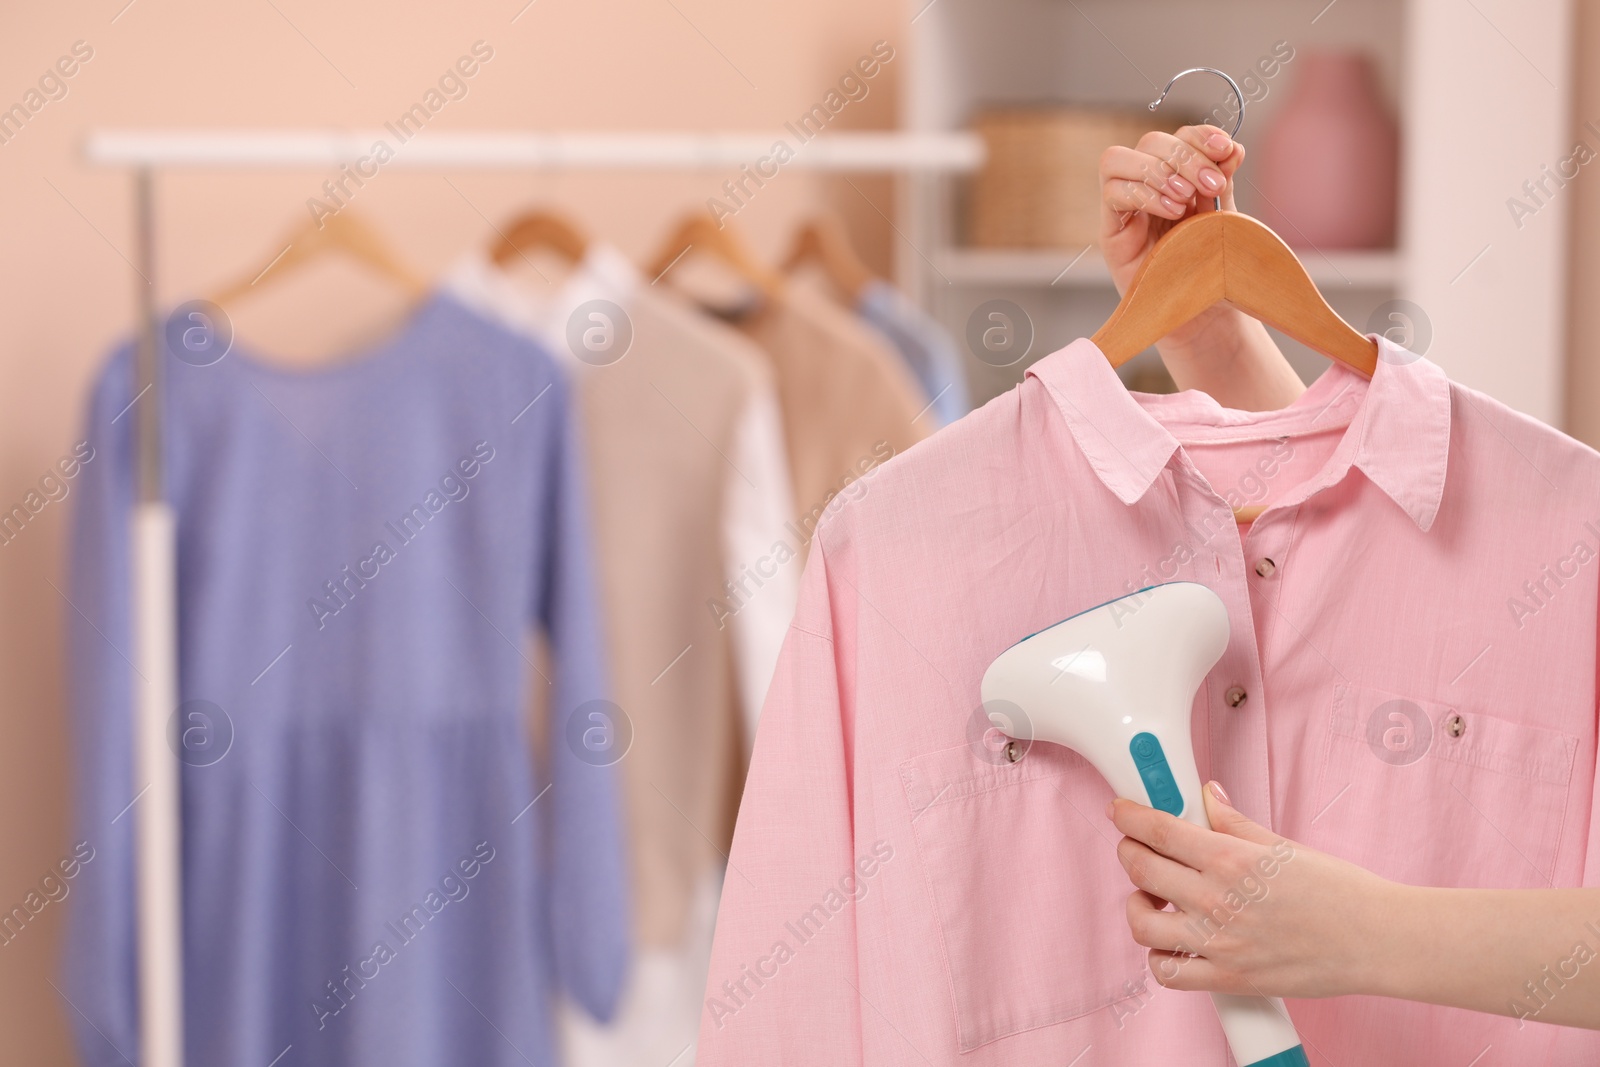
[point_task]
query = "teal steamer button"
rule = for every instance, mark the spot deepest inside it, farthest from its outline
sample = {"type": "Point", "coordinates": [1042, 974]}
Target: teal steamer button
{"type": "Point", "coordinates": [1151, 762]}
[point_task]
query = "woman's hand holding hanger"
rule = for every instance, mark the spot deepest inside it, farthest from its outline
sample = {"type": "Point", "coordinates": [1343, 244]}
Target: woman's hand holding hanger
{"type": "Point", "coordinates": [1145, 191]}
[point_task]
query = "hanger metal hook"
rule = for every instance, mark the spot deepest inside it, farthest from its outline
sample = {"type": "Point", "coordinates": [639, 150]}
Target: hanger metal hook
{"type": "Point", "coordinates": [1238, 94]}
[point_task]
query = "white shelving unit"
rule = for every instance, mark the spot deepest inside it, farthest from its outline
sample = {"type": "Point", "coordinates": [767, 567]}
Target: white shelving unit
{"type": "Point", "coordinates": [1085, 269]}
{"type": "Point", "coordinates": [1481, 92]}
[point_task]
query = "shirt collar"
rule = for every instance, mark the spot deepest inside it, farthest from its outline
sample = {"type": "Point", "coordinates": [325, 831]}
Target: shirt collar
{"type": "Point", "coordinates": [609, 267]}
{"type": "Point", "coordinates": [603, 273]}
{"type": "Point", "coordinates": [1398, 435]}
{"type": "Point", "coordinates": [475, 279]}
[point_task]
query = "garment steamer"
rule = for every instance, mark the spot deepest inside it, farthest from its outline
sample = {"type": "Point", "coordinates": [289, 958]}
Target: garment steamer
{"type": "Point", "coordinates": [1115, 684]}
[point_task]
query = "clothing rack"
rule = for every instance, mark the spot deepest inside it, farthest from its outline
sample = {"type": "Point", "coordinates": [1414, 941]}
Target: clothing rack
{"type": "Point", "coordinates": [157, 826]}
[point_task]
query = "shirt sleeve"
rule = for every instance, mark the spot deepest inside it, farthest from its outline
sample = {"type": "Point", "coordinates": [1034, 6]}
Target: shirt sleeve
{"type": "Point", "coordinates": [783, 982]}
{"type": "Point", "coordinates": [98, 962]}
{"type": "Point", "coordinates": [761, 565]}
{"type": "Point", "coordinates": [589, 901]}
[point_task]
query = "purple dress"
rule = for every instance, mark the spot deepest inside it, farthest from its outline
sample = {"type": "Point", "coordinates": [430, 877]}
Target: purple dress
{"type": "Point", "coordinates": [376, 869]}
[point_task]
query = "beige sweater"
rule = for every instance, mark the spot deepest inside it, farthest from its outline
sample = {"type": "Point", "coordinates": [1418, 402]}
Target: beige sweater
{"type": "Point", "coordinates": [848, 401]}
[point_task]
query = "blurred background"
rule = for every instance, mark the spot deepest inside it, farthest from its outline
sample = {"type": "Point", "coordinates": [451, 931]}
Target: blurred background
{"type": "Point", "coordinates": [1427, 159]}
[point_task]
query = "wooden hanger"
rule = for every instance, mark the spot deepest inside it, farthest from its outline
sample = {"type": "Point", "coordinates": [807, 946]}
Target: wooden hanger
{"type": "Point", "coordinates": [1225, 257]}
{"type": "Point", "coordinates": [344, 232]}
{"type": "Point", "coordinates": [699, 230]}
{"type": "Point", "coordinates": [539, 229]}
{"type": "Point", "coordinates": [823, 240]}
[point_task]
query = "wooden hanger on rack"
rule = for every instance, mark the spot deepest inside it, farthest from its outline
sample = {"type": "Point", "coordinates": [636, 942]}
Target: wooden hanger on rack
{"type": "Point", "coordinates": [823, 240]}
{"type": "Point", "coordinates": [346, 233]}
{"type": "Point", "coordinates": [699, 230]}
{"type": "Point", "coordinates": [539, 229]}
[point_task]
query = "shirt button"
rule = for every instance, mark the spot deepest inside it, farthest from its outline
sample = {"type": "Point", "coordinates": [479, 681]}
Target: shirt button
{"type": "Point", "coordinates": [1235, 696]}
{"type": "Point", "coordinates": [1265, 567]}
{"type": "Point", "coordinates": [1455, 726]}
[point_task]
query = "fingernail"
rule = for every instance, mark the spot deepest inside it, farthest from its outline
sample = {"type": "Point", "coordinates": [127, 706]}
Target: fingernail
{"type": "Point", "coordinates": [1217, 790]}
{"type": "Point", "coordinates": [1180, 187]}
{"type": "Point", "coordinates": [1111, 808]}
{"type": "Point", "coordinates": [1211, 179]}
{"type": "Point", "coordinates": [1219, 143]}
{"type": "Point", "coordinates": [1172, 205]}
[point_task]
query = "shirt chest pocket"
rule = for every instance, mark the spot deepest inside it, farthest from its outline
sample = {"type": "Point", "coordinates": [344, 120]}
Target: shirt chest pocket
{"type": "Point", "coordinates": [1434, 794]}
{"type": "Point", "coordinates": [1020, 862]}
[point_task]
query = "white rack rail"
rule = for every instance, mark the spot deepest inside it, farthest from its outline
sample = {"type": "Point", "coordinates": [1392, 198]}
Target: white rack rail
{"type": "Point", "coordinates": [843, 151]}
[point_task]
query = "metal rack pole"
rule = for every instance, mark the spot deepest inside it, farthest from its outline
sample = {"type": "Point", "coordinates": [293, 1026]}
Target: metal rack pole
{"type": "Point", "coordinates": [158, 826]}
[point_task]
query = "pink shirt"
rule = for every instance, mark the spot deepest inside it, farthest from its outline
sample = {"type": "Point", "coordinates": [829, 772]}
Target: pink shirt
{"type": "Point", "coordinates": [1410, 684]}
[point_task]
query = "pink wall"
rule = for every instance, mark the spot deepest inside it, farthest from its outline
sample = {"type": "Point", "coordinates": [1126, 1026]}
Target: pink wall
{"type": "Point", "coordinates": [68, 286]}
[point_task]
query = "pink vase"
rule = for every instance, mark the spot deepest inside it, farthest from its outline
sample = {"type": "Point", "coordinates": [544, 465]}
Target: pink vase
{"type": "Point", "coordinates": [1328, 168]}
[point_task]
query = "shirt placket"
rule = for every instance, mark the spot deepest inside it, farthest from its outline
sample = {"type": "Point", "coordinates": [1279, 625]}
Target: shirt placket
{"type": "Point", "coordinates": [1236, 704]}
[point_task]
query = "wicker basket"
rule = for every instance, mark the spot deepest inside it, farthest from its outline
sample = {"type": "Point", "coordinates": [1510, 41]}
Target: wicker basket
{"type": "Point", "coordinates": [1040, 186]}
